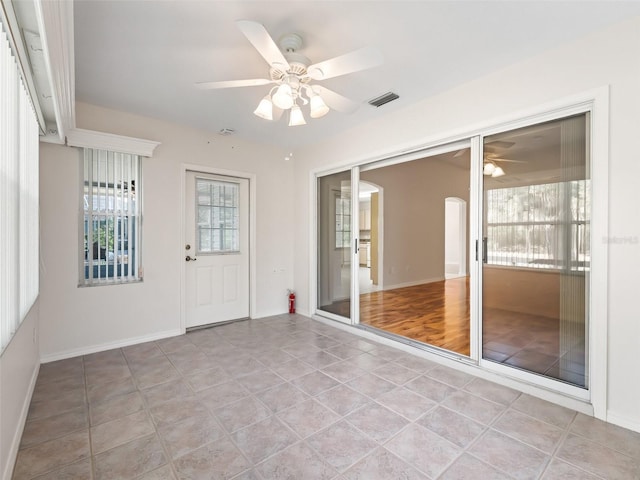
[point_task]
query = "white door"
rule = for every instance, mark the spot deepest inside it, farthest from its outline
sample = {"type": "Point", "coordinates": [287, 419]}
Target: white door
{"type": "Point", "coordinates": [217, 249]}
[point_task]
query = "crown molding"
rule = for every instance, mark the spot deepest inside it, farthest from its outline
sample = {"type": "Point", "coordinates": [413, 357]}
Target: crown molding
{"type": "Point", "coordinates": [78, 137]}
{"type": "Point", "coordinates": [55, 22]}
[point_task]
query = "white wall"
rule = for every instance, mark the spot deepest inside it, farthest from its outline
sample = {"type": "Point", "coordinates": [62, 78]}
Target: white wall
{"type": "Point", "coordinates": [455, 222]}
{"type": "Point", "coordinates": [19, 365]}
{"type": "Point", "coordinates": [77, 320]}
{"type": "Point", "coordinates": [609, 57]}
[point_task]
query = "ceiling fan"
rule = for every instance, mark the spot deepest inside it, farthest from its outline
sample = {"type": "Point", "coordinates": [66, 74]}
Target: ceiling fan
{"type": "Point", "coordinates": [491, 168]}
{"type": "Point", "coordinates": [292, 75]}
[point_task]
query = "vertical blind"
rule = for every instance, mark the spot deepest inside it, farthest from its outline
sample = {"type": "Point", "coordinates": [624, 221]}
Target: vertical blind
{"type": "Point", "coordinates": [540, 226]}
{"type": "Point", "coordinates": [19, 214]}
{"type": "Point", "coordinates": [111, 210]}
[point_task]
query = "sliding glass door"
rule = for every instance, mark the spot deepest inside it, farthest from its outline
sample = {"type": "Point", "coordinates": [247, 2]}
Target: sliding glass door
{"type": "Point", "coordinates": [536, 258]}
{"type": "Point", "coordinates": [394, 248]}
{"type": "Point", "coordinates": [423, 295]}
{"type": "Point", "coordinates": [335, 239]}
{"type": "Point", "coordinates": [477, 250]}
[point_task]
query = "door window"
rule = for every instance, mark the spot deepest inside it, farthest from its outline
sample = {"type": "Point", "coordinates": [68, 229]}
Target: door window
{"type": "Point", "coordinates": [218, 216]}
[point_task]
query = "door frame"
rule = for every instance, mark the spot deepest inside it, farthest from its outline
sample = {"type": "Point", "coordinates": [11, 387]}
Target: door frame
{"type": "Point", "coordinates": [380, 231]}
{"type": "Point", "coordinates": [207, 170]}
{"type": "Point", "coordinates": [314, 268]}
{"type": "Point", "coordinates": [355, 170]}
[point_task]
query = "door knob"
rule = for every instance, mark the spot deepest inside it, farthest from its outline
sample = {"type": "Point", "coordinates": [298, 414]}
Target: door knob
{"type": "Point", "coordinates": [189, 259]}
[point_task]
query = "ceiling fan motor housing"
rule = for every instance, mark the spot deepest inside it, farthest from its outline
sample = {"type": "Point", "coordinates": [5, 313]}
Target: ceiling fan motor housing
{"type": "Point", "coordinates": [290, 42]}
{"type": "Point", "coordinates": [298, 63]}
{"type": "Point", "coordinates": [297, 66]}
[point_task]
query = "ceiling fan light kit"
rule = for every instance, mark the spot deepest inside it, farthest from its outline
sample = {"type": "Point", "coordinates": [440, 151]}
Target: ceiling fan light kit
{"type": "Point", "coordinates": [317, 107]}
{"type": "Point", "coordinates": [292, 74]}
{"type": "Point", "coordinates": [498, 172]}
{"type": "Point", "coordinates": [492, 169]}
{"type": "Point", "coordinates": [488, 168]}
{"type": "Point", "coordinates": [265, 109]}
{"type": "Point", "coordinates": [283, 98]}
{"type": "Point", "coordinates": [295, 117]}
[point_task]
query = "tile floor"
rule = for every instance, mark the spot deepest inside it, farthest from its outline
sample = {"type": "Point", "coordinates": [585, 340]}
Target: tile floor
{"type": "Point", "coordinates": [290, 398]}
{"type": "Point", "coordinates": [532, 343]}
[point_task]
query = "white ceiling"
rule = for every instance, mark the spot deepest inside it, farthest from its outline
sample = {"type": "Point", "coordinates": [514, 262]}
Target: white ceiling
{"type": "Point", "coordinates": [145, 56]}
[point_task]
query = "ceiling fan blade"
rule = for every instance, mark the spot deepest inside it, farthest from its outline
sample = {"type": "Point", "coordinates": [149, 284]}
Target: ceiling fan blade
{"type": "Point", "coordinates": [460, 152]}
{"type": "Point", "coordinates": [255, 82]}
{"type": "Point", "coordinates": [499, 144]}
{"type": "Point", "coordinates": [507, 160]}
{"type": "Point", "coordinates": [335, 100]}
{"type": "Point", "coordinates": [355, 61]}
{"type": "Point", "coordinates": [262, 41]}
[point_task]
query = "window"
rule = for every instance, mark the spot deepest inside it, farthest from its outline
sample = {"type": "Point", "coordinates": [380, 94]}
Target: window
{"type": "Point", "coordinates": [528, 226]}
{"type": "Point", "coordinates": [218, 216]}
{"type": "Point", "coordinates": [111, 211]}
{"type": "Point", "coordinates": [343, 221]}
{"type": "Point", "coordinates": [19, 213]}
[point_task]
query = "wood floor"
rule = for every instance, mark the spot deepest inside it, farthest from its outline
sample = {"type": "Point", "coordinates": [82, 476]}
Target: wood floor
{"type": "Point", "coordinates": [436, 313]}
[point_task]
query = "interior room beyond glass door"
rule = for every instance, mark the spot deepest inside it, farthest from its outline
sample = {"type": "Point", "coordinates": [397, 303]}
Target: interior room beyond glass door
{"type": "Point", "coordinates": [536, 263]}
{"type": "Point", "coordinates": [419, 233]}
{"type": "Point", "coordinates": [334, 245]}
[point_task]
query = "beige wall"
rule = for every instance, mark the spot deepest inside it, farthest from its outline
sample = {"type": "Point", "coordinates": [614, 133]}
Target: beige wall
{"type": "Point", "coordinates": [19, 366]}
{"type": "Point", "coordinates": [413, 203]}
{"type": "Point", "coordinates": [524, 291]}
{"type": "Point", "coordinates": [75, 320]}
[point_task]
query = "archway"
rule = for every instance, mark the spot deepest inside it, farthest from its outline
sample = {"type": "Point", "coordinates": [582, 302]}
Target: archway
{"type": "Point", "coordinates": [455, 237]}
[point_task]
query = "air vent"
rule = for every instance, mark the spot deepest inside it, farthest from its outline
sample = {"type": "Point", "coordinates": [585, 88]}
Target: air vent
{"type": "Point", "coordinates": [382, 99]}
{"type": "Point", "coordinates": [226, 132]}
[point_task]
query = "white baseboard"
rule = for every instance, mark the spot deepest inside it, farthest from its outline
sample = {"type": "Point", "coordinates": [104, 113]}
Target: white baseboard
{"type": "Point", "coordinates": [17, 436]}
{"type": "Point", "coordinates": [622, 421]}
{"type": "Point", "coordinates": [449, 276]}
{"type": "Point", "coordinates": [260, 315]}
{"type": "Point", "coordinates": [304, 312]}
{"type": "Point", "coordinates": [76, 352]}
{"type": "Point", "coordinates": [412, 284]}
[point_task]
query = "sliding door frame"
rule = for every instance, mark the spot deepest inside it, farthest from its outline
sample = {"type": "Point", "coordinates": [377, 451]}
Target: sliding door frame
{"type": "Point", "coordinates": [355, 245]}
{"type": "Point", "coordinates": [315, 308]}
{"type": "Point", "coordinates": [596, 102]}
{"type": "Point", "coordinates": [595, 345]}
{"type": "Point", "coordinates": [355, 169]}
